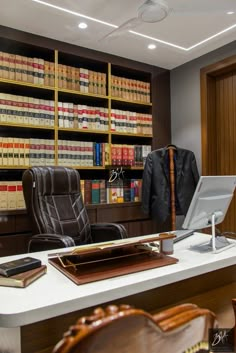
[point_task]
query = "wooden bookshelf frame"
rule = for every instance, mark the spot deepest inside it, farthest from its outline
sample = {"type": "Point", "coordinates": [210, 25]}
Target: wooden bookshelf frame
{"type": "Point", "coordinates": [130, 215]}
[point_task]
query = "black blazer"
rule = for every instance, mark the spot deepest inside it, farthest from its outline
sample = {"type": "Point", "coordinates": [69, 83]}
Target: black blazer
{"type": "Point", "coordinates": [156, 184]}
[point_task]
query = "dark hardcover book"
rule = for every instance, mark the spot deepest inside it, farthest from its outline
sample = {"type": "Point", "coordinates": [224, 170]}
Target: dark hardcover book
{"type": "Point", "coordinates": [127, 190]}
{"type": "Point", "coordinates": [132, 191]}
{"type": "Point", "coordinates": [95, 191]}
{"type": "Point", "coordinates": [23, 279]}
{"type": "Point", "coordinates": [17, 266]}
{"type": "Point", "coordinates": [103, 191]}
{"type": "Point", "coordinates": [87, 191]}
{"type": "Point", "coordinates": [97, 154]}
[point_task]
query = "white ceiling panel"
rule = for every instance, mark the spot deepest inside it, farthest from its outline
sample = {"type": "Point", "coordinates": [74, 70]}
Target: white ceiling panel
{"type": "Point", "coordinates": [182, 36]}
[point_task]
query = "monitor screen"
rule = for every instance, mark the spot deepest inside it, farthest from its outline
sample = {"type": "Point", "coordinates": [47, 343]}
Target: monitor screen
{"type": "Point", "coordinates": [213, 195]}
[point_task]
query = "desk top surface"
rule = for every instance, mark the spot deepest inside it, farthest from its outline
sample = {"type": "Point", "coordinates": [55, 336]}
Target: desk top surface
{"type": "Point", "coordinates": [54, 294]}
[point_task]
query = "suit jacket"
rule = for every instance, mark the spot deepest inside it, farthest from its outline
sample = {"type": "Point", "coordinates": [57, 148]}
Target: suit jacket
{"type": "Point", "coordinates": [156, 183]}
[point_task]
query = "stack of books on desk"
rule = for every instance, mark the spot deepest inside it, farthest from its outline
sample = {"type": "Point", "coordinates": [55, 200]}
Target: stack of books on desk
{"type": "Point", "coordinates": [20, 273]}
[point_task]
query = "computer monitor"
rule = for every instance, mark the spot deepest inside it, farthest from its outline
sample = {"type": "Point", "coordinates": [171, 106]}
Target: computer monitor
{"type": "Point", "coordinates": [209, 206]}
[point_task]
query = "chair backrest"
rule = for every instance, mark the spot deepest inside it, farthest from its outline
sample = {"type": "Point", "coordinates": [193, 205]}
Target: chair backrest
{"type": "Point", "coordinates": [54, 203]}
{"type": "Point", "coordinates": [123, 329]}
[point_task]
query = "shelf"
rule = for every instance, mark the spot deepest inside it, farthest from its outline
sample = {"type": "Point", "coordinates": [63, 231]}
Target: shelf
{"type": "Point", "coordinates": [130, 102]}
{"type": "Point", "coordinates": [26, 84]}
{"type": "Point", "coordinates": [79, 93]}
{"type": "Point", "coordinates": [24, 126]}
{"type": "Point", "coordinates": [13, 167]}
{"type": "Point", "coordinates": [130, 134]}
{"type": "Point", "coordinates": [83, 131]}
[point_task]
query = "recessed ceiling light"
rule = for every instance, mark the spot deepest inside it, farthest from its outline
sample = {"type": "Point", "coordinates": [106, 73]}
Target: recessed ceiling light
{"type": "Point", "coordinates": [230, 12]}
{"type": "Point", "coordinates": [82, 25]}
{"type": "Point", "coordinates": [152, 46]}
{"type": "Point", "coordinates": [73, 13]}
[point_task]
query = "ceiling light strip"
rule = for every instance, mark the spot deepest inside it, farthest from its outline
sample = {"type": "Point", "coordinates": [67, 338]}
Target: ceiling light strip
{"type": "Point", "coordinates": [134, 32]}
{"type": "Point", "coordinates": [74, 13]}
{"type": "Point", "coordinates": [182, 48]}
{"type": "Point", "coordinates": [214, 36]}
{"type": "Point", "coordinates": [158, 40]}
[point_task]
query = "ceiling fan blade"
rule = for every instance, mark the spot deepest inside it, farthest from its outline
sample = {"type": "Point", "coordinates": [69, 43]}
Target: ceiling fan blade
{"type": "Point", "coordinates": [126, 26]}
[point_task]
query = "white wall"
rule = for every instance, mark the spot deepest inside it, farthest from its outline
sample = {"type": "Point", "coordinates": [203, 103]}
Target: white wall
{"type": "Point", "coordinates": [185, 100]}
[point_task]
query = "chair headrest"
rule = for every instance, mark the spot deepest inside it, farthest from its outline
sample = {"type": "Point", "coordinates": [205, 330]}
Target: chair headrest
{"type": "Point", "coordinates": [56, 180]}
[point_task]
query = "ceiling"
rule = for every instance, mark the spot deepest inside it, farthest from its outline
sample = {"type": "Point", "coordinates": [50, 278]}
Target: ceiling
{"type": "Point", "coordinates": [180, 37]}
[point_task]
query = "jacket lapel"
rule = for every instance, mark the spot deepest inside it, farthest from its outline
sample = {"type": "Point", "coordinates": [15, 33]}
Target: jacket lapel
{"type": "Point", "coordinates": [165, 163]}
{"type": "Point", "coordinates": [178, 165]}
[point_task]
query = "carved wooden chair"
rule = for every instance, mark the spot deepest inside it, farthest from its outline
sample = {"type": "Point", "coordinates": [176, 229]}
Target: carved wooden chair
{"type": "Point", "coordinates": [123, 329]}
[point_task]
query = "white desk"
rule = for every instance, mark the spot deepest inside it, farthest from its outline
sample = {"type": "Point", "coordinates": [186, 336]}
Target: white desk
{"type": "Point", "coordinates": [54, 294]}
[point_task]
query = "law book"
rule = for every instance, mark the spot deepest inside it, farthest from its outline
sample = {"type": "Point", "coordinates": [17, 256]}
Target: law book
{"type": "Point", "coordinates": [87, 191]}
{"type": "Point", "coordinates": [95, 191]}
{"type": "Point", "coordinates": [22, 280]}
{"type": "Point", "coordinates": [11, 197]}
{"type": "Point", "coordinates": [127, 190]}
{"type": "Point", "coordinates": [103, 191]}
{"type": "Point", "coordinates": [52, 74]}
{"type": "Point", "coordinates": [3, 195]}
{"type": "Point", "coordinates": [14, 267]}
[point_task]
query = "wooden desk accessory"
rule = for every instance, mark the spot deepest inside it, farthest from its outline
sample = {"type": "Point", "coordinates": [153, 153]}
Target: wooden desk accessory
{"type": "Point", "coordinates": [109, 259]}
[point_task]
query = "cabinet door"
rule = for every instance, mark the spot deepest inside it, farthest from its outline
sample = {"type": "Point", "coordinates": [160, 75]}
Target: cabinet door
{"type": "Point", "coordinates": [14, 244]}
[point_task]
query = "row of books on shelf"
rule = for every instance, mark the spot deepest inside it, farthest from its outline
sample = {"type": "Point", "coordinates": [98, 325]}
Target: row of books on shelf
{"type": "Point", "coordinates": [27, 69]}
{"type": "Point", "coordinates": [93, 191]}
{"type": "Point", "coordinates": [131, 155]}
{"type": "Point", "coordinates": [131, 122]}
{"type": "Point", "coordinates": [39, 71]}
{"type": "Point", "coordinates": [88, 154]}
{"type": "Point", "coordinates": [99, 191]}
{"type": "Point", "coordinates": [83, 153]}
{"type": "Point", "coordinates": [16, 151]}
{"type": "Point", "coordinates": [40, 112]}
{"type": "Point", "coordinates": [11, 195]}
{"type": "Point", "coordinates": [80, 79]}
{"type": "Point", "coordinates": [84, 117]}
{"type": "Point", "coordinates": [129, 89]}
{"type": "Point", "coordinates": [96, 118]}
{"type": "Point", "coordinates": [26, 110]}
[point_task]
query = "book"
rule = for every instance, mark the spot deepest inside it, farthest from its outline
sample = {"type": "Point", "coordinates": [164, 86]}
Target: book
{"type": "Point", "coordinates": [14, 267]}
{"type": "Point", "coordinates": [22, 280]}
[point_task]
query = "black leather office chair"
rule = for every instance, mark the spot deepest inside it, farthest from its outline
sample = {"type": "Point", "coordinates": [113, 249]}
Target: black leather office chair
{"type": "Point", "coordinates": [55, 206]}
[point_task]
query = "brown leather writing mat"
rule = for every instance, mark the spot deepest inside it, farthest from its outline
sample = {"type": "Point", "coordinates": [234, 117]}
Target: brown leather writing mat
{"type": "Point", "coordinates": [90, 268]}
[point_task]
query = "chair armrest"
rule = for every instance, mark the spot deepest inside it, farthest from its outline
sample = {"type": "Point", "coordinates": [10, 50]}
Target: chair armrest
{"type": "Point", "coordinates": [107, 231]}
{"type": "Point", "coordinates": [41, 242]}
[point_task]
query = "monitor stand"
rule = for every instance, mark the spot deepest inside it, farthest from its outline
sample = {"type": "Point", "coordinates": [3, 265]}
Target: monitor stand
{"type": "Point", "coordinates": [218, 243]}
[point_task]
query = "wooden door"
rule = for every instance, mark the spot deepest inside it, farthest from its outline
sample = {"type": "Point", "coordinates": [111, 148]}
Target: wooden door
{"type": "Point", "coordinates": [225, 136]}
{"type": "Point", "coordinates": [218, 98]}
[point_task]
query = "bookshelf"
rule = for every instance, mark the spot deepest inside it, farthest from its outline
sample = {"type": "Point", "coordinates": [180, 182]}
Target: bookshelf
{"type": "Point", "coordinates": [116, 97]}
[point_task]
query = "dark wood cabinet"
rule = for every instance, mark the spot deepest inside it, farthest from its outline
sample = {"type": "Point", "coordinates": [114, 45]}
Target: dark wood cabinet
{"type": "Point", "coordinates": [15, 231]}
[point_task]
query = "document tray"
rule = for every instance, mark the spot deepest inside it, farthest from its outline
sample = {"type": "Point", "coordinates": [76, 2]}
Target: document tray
{"type": "Point", "coordinates": [97, 262]}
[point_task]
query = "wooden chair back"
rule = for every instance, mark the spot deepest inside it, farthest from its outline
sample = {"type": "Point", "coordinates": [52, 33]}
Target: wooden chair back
{"type": "Point", "coordinates": [124, 329]}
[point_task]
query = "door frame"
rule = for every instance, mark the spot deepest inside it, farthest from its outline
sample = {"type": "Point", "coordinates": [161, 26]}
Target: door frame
{"type": "Point", "coordinates": [208, 77]}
